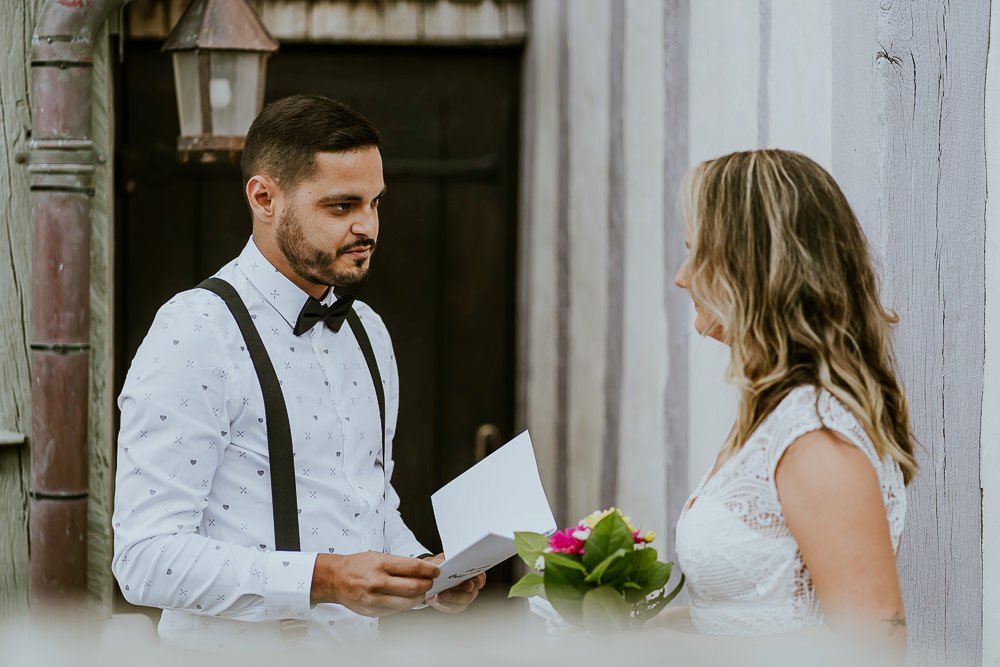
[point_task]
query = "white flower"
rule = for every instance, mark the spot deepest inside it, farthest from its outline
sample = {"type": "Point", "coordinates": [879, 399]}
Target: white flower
{"type": "Point", "coordinates": [582, 534]}
{"type": "Point", "coordinates": [540, 563]}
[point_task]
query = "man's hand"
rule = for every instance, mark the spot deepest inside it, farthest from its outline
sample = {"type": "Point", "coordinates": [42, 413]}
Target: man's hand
{"type": "Point", "coordinates": [455, 600]}
{"type": "Point", "coordinates": [371, 583]}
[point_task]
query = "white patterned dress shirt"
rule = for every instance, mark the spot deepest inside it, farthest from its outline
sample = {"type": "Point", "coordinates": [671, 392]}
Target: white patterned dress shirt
{"type": "Point", "coordinates": [193, 527]}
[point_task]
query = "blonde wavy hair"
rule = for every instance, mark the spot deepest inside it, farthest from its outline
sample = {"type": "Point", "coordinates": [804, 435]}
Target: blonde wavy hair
{"type": "Point", "coordinates": [779, 263]}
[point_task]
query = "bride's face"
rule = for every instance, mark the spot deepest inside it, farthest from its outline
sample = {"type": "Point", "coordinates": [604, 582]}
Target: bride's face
{"type": "Point", "coordinates": [702, 322]}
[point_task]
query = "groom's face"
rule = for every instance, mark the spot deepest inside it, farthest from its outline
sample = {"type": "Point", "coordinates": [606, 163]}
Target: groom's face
{"type": "Point", "coordinates": [329, 228]}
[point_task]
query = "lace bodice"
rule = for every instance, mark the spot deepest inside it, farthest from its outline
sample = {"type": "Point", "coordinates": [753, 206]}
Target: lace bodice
{"type": "Point", "coordinates": [744, 570]}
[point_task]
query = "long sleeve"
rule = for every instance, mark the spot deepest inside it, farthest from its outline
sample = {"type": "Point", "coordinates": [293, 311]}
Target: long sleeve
{"type": "Point", "coordinates": [175, 417]}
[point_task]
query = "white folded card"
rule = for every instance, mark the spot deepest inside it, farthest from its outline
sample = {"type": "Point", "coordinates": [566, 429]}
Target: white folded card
{"type": "Point", "coordinates": [478, 512]}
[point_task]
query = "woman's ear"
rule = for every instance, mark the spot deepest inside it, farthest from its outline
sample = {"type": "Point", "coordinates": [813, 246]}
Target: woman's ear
{"type": "Point", "coordinates": [264, 197]}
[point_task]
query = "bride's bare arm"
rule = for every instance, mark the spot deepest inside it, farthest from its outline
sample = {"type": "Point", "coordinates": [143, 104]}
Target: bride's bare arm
{"type": "Point", "coordinates": [831, 499]}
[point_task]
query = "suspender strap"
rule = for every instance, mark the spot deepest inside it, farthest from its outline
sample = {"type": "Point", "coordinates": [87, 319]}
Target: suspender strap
{"type": "Point", "coordinates": [366, 349]}
{"type": "Point", "coordinates": [284, 504]}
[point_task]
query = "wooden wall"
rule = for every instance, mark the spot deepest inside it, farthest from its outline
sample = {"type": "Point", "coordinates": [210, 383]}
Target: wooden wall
{"type": "Point", "coordinates": [360, 21]}
{"type": "Point", "coordinates": [15, 324]}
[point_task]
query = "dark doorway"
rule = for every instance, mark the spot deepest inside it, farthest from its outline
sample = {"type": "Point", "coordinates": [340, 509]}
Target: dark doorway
{"type": "Point", "coordinates": [443, 279]}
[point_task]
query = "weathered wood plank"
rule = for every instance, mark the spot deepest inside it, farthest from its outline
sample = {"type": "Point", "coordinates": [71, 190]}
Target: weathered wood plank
{"type": "Point", "coordinates": [484, 21]}
{"type": "Point", "coordinates": [368, 23]}
{"type": "Point", "coordinates": [588, 24]}
{"type": "Point", "coordinates": [991, 369]}
{"type": "Point", "coordinates": [101, 436]}
{"type": "Point", "coordinates": [515, 21]}
{"type": "Point", "coordinates": [15, 303]}
{"type": "Point", "coordinates": [642, 469]}
{"type": "Point", "coordinates": [923, 200]}
{"type": "Point", "coordinates": [148, 18]}
{"type": "Point", "coordinates": [403, 20]}
{"type": "Point", "coordinates": [286, 19]}
{"type": "Point", "coordinates": [328, 20]}
{"type": "Point", "coordinates": [443, 20]}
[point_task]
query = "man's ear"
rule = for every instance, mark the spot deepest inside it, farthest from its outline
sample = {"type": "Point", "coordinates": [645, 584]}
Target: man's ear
{"type": "Point", "coordinates": [265, 198]}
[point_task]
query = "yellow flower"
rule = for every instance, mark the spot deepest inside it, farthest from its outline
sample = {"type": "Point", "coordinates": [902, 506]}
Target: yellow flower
{"type": "Point", "coordinates": [650, 536]}
{"type": "Point", "coordinates": [594, 518]}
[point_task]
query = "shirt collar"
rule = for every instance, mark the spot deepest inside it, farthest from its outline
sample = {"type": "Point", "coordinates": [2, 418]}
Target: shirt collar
{"type": "Point", "coordinates": [284, 296]}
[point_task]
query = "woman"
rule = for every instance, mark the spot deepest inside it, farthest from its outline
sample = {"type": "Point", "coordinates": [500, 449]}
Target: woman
{"type": "Point", "coordinates": [797, 523]}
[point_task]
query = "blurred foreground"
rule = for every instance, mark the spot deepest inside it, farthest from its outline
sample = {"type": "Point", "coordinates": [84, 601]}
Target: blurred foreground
{"type": "Point", "coordinates": [493, 632]}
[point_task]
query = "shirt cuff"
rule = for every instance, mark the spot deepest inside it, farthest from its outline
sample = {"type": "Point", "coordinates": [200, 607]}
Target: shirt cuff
{"type": "Point", "coordinates": [409, 548]}
{"type": "Point", "coordinates": [288, 585]}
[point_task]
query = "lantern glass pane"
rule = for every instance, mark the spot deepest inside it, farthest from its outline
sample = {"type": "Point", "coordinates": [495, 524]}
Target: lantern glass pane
{"type": "Point", "coordinates": [188, 98]}
{"type": "Point", "coordinates": [233, 91]}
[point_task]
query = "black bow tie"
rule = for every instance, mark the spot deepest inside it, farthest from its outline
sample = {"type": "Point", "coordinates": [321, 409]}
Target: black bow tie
{"type": "Point", "coordinates": [313, 311]}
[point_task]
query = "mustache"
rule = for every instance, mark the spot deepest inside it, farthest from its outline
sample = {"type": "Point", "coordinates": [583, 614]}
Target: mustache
{"type": "Point", "coordinates": [354, 245]}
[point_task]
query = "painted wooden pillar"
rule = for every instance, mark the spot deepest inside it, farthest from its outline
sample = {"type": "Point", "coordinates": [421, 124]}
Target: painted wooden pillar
{"type": "Point", "coordinates": [15, 309]}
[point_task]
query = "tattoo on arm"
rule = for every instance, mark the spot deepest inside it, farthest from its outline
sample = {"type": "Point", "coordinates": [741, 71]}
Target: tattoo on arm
{"type": "Point", "coordinates": [897, 621]}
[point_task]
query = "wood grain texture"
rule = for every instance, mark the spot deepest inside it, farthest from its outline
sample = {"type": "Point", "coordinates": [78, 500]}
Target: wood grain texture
{"type": "Point", "coordinates": [588, 24]}
{"type": "Point", "coordinates": [926, 194]}
{"type": "Point", "coordinates": [101, 436]}
{"type": "Point", "coordinates": [15, 303]}
{"type": "Point", "coordinates": [539, 241]}
{"type": "Point", "coordinates": [990, 438]}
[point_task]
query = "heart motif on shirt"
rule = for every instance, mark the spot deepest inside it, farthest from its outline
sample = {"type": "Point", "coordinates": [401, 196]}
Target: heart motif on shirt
{"type": "Point", "coordinates": [331, 551]}
{"type": "Point", "coordinates": [224, 432]}
{"type": "Point", "coordinates": [326, 383]}
{"type": "Point", "coordinates": [126, 587]}
{"type": "Point", "coordinates": [176, 341]}
{"type": "Point", "coordinates": [338, 453]}
{"type": "Point", "coordinates": [355, 383]}
{"type": "Point", "coordinates": [193, 461]}
{"type": "Point", "coordinates": [225, 507]}
{"type": "Point", "coordinates": [316, 417]}
{"type": "Point", "coordinates": [180, 526]}
{"type": "Point", "coordinates": [260, 473]}
{"type": "Point", "coordinates": [326, 351]}
{"type": "Point", "coordinates": [262, 546]}
{"type": "Point", "coordinates": [299, 512]}
{"type": "Point", "coordinates": [357, 514]}
{"type": "Point", "coordinates": [291, 349]}
{"type": "Point", "coordinates": [169, 571]}
{"type": "Point", "coordinates": [152, 492]}
{"type": "Point", "coordinates": [260, 420]}
{"type": "Point", "coordinates": [285, 563]}
{"type": "Point", "coordinates": [163, 418]}
{"type": "Point", "coordinates": [204, 387]}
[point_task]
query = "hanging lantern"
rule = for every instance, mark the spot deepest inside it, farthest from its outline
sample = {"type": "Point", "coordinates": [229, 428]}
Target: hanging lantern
{"type": "Point", "coordinates": [220, 50]}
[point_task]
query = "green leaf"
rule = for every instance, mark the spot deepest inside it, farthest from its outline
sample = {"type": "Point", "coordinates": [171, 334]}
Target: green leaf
{"type": "Point", "coordinates": [562, 560]}
{"type": "Point", "coordinates": [596, 574]}
{"type": "Point", "coordinates": [530, 546]}
{"type": "Point", "coordinates": [604, 610]}
{"type": "Point", "coordinates": [564, 588]}
{"type": "Point", "coordinates": [529, 585]}
{"type": "Point", "coordinates": [654, 577]}
{"type": "Point", "coordinates": [609, 535]}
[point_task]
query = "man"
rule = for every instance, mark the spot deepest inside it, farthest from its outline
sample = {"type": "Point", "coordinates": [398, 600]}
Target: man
{"type": "Point", "coordinates": [206, 502]}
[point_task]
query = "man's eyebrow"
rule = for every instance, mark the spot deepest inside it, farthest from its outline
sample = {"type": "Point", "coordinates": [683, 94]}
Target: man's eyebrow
{"type": "Point", "coordinates": [344, 198]}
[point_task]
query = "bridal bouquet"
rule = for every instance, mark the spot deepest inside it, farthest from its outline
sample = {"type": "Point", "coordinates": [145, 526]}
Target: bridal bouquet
{"type": "Point", "coordinates": [600, 574]}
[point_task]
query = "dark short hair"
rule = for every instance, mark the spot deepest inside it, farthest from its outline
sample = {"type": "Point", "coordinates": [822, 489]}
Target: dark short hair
{"type": "Point", "coordinates": [286, 136]}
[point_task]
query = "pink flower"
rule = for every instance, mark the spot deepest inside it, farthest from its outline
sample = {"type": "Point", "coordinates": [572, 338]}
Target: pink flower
{"type": "Point", "coordinates": [562, 541]}
{"type": "Point", "coordinates": [638, 538]}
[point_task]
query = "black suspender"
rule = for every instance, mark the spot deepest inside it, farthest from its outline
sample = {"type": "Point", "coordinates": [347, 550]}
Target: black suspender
{"type": "Point", "coordinates": [279, 435]}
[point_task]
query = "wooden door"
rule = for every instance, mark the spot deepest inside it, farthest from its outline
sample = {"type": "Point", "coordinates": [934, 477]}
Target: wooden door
{"type": "Point", "coordinates": [443, 278]}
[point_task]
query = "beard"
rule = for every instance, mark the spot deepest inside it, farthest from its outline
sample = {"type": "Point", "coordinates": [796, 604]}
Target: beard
{"type": "Point", "coordinates": [315, 264]}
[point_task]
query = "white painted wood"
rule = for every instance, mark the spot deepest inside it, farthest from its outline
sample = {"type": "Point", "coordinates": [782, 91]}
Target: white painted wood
{"type": "Point", "coordinates": [723, 103]}
{"type": "Point", "coordinates": [800, 78]}
{"type": "Point", "coordinates": [484, 20]}
{"type": "Point", "coordinates": [642, 483]}
{"type": "Point", "coordinates": [539, 239]}
{"type": "Point", "coordinates": [588, 30]}
{"type": "Point", "coordinates": [11, 438]}
{"type": "Point", "coordinates": [402, 20]}
{"type": "Point", "coordinates": [15, 305]}
{"type": "Point", "coordinates": [368, 20]}
{"type": "Point", "coordinates": [515, 25]}
{"type": "Point", "coordinates": [443, 20]}
{"type": "Point", "coordinates": [286, 19]}
{"type": "Point", "coordinates": [990, 442]}
{"type": "Point", "coordinates": [328, 21]}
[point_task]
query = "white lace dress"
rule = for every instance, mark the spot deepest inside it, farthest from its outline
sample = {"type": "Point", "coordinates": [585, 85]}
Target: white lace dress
{"type": "Point", "coordinates": [745, 575]}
